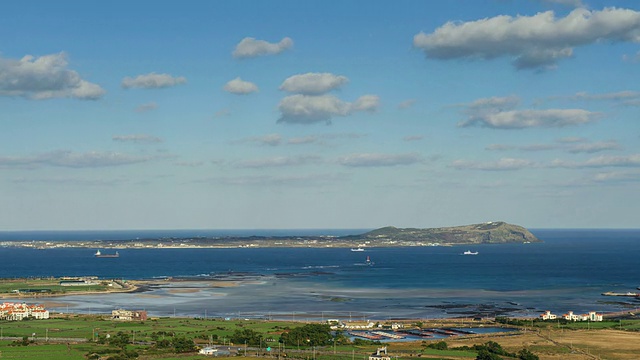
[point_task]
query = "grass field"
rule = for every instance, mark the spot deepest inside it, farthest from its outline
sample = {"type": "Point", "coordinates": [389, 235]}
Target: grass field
{"type": "Point", "coordinates": [48, 286]}
{"type": "Point", "coordinates": [549, 343]}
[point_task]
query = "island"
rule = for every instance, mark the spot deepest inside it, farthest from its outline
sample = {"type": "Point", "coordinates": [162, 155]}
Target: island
{"type": "Point", "coordinates": [495, 232]}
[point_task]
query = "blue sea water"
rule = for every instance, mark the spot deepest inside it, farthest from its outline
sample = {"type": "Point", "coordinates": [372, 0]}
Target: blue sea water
{"type": "Point", "coordinates": [568, 271]}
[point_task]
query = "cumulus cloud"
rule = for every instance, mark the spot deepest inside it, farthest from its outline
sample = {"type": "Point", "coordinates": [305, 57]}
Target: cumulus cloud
{"type": "Point", "coordinates": [379, 160]}
{"type": "Point", "coordinates": [313, 83]}
{"type": "Point", "coordinates": [520, 119]}
{"type": "Point", "coordinates": [44, 77]}
{"type": "Point", "coordinates": [240, 87]}
{"type": "Point", "coordinates": [64, 158]}
{"type": "Point", "coordinates": [499, 113]}
{"type": "Point", "coordinates": [139, 138]}
{"type": "Point", "coordinates": [250, 47]}
{"type": "Point", "coordinates": [306, 109]}
{"type": "Point", "coordinates": [504, 164]}
{"type": "Point", "coordinates": [534, 42]}
{"type": "Point", "coordinates": [600, 161]}
{"type": "Point", "coordinates": [152, 81]}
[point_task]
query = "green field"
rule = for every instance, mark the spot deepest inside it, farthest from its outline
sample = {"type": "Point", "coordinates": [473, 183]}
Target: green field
{"type": "Point", "coordinates": [86, 335]}
{"type": "Point", "coordinates": [49, 285]}
{"type": "Point", "coordinates": [89, 336]}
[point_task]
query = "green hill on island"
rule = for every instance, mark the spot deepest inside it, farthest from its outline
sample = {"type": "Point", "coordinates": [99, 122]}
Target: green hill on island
{"type": "Point", "coordinates": [495, 232]}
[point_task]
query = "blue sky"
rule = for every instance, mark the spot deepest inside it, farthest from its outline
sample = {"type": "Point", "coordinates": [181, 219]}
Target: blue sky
{"type": "Point", "coordinates": [315, 114]}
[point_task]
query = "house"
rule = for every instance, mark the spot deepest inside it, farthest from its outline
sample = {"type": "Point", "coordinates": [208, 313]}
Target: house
{"type": "Point", "coordinates": [218, 351]}
{"type": "Point", "coordinates": [591, 316]}
{"type": "Point", "coordinates": [380, 354]}
{"type": "Point", "coordinates": [208, 351]}
{"type": "Point", "coordinates": [547, 315]}
{"type": "Point", "coordinates": [128, 315]}
{"type": "Point", "coordinates": [19, 311]}
{"type": "Point", "coordinates": [570, 316]}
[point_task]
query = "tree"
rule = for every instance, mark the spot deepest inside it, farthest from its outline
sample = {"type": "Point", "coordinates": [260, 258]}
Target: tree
{"type": "Point", "coordinates": [182, 344]}
{"type": "Point", "coordinates": [486, 355]}
{"type": "Point", "coordinates": [248, 336]}
{"type": "Point", "coordinates": [121, 340]}
{"type": "Point", "coordinates": [440, 345]}
{"type": "Point", "coordinates": [525, 354]}
{"type": "Point", "coordinates": [309, 335]}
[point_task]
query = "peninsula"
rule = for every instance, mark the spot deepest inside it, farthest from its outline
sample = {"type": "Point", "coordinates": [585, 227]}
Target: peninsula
{"type": "Point", "coordinates": [486, 233]}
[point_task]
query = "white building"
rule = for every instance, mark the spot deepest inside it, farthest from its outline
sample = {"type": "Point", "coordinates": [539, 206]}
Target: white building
{"type": "Point", "coordinates": [591, 316]}
{"type": "Point", "coordinates": [19, 311]}
{"type": "Point", "coordinates": [547, 315]}
{"type": "Point", "coordinates": [380, 354]}
{"type": "Point", "coordinates": [208, 351]}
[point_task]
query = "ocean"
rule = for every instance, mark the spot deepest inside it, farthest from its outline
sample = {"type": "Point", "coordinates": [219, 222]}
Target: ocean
{"type": "Point", "coordinates": [568, 271]}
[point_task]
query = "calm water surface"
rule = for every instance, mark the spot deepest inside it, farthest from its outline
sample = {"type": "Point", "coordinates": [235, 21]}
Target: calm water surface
{"type": "Point", "coordinates": [569, 271]}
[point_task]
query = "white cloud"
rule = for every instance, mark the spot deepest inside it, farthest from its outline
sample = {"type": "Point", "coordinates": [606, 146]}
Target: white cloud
{"type": "Point", "coordinates": [269, 140]}
{"type": "Point", "coordinates": [618, 96]}
{"type": "Point", "coordinates": [537, 41]}
{"type": "Point", "coordinates": [572, 140]}
{"type": "Point", "coordinates": [146, 107]}
{"type": "Point", "coordinates": [615, 177]}
{"type": "Point", "coordinates": [280, 161]}
{"type": "Point", "coordinates": [366, 103]}
{"type": "Point", "coordinates": [152, 81]}
{"type": "Point", "coordinates": [532, 147]}
{"type": "Point", "coordinates": [139, 138]}
{"type": "Point", "coordinates": [63, 158]}
{"type": "Point", "coordinates": [504, 164]}
{"type": "Point", "coordinates": [44, 77]}
{"type": "Point", "coordinates": [69, 181]}
{"type": "Point", "coordinates": [322, 138]}
{"type": "Point", "coordinates": [378, 160]}
{"type": "Point", "coordinates": [310, 180]}
{"type": "Point", "coordinates": [222, 113]}
{"type": "Point", "coordinates": [628, 97]}
{"type": "Point", "coordinates": [520, 119]}
{"type": "Point", "coordinates": [572, 3]}
{"type": "Point", "coordinates": [305, 109]}
{"type": "Point", "coordinates": [191, 164]}
{"type": "Point", "coordinates": [250, 47]}
{"type": "Point", "coordinates": [313, 83]}
{"type": "Point", "coordinates": [632, 58]}
{"type": "Point", "coordinates": [594, 147]}
{"type": "Point", "coordinates": [406, 104]}
{"type": "Point", "coordinates": [413, 138]}
{"type": "Point", "coordinates": [303, 140]}
{"type": "Point", "coordinates": [600, 161]}
{"type": "Point", "coordinates": [240, 87]}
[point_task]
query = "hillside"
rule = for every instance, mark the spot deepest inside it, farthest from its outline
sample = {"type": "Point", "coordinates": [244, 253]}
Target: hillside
{"type": "Point", "coordinates": [486, 233]}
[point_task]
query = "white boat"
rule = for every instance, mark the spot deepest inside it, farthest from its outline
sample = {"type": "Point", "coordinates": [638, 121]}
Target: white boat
{"type": "Point", "coordinates": [469, 252]}
{"type": "Point", "coordinates": [357, 249]}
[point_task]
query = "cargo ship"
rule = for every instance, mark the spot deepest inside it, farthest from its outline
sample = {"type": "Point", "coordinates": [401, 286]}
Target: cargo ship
{"type": "Point", "coordinates": [98, 254]}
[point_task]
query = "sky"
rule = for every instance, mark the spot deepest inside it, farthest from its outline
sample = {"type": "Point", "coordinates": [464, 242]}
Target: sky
{"type": "Point", "coordinates": [319, 114]}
